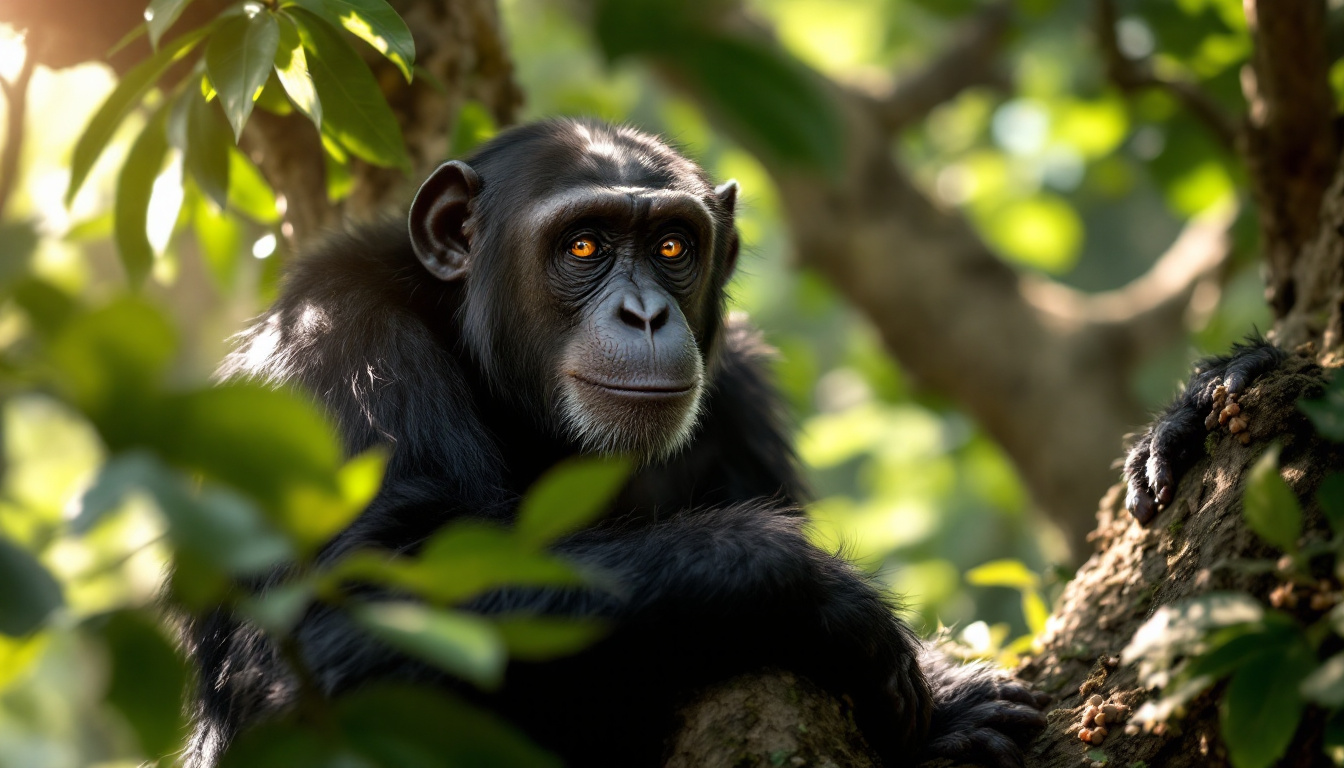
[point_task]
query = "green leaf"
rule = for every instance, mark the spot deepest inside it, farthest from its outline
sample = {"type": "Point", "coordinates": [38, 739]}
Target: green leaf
{"type": "Point", "coordinates": [1325, 685]}
{"type": "Point", "coordinates": [1330, 496]}
{"type": "Point", "coordinates": [474, 127]}
{"type": "Point", "coordinates": [119, 103]}
{"type": "Point", "coordinates": [354, 111]}
{"type": "Point", "coordinates": [220, 238]}
{"type": "Point", "coordinates": [48, 307]}
{"type": "Point", "coordinates": [1231, 648]}
{"type": "Point", "coordinates": [239, 59]}
{"type": "Point", "coordinates": [147, 681]}
{"type": "Point", "coordinates": [272, 96]}
{"type": "Point", "coordinates": [374, 22]}
{"type": "Point", "coordinates": [1003, 573]}
{"type": "Point", "coordinates": [30, 593]}
{"type": "Point", "coordinates": [1176, 630]}
{"type": "Point", "coordinates": [767, 99]}
{"type": "Point", "coordinates": [1261, 709]}
{"type": "Point", "coordinates": [260, 440]}
{"type": "Point", "coordinates": [568, 497]}
{"type": "Point", "coordinates": [208, 145]}
{"type": "Point", "coordinates": [135, 186]}
{"type": "Point", "coordinates": [284, 745]}
{"type": "Point", "coordinates": [312, 515]}
{"type": "Point", "coordinates": [160, 15]}
{"type": "Point", "coordinates": [291, 67]}
{"type": "Point", "coordinates": [108, 360]}
{"type": "Point", "coordinates": [460, 561]}
{"type": "Point", "coordinates": [249, 194]}
{"type": "Point", "coordinates": [404, 726]}
{"type": "Point", "coordinates": [462, 644]}
{"type": "Point", "coordinates": [1327, 411]}
{"type": "Point", "coordinates": [279, 608]}
{"type": "Point", "coordinates": [538, 638]}
{"type": "Point", "coordinates": [1270, 506]}
{"type": "Point", "coordinates": [213, 526]}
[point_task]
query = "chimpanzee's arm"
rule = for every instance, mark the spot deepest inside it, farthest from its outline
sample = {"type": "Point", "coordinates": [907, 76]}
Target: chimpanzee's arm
{"type": "Point", "coordinates": [1167, 448]}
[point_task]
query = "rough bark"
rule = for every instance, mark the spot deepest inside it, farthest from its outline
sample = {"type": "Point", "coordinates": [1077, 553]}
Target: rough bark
{"type": "Point", "coordinates": [1290, 145]}
{"type": "Point", "coordinates": [1199, 544]}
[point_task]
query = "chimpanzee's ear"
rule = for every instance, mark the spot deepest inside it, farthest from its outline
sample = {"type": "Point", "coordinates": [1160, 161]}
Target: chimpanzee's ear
{"type": "Point", "coordinates": [438, 214]}
{"type": "Point", "coordinates": [727, 194]}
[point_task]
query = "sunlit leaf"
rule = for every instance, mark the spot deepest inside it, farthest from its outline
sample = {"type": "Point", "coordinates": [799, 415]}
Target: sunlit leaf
{"type": "Point", "coordinates": [212, 525]}
{"type": "Point", "coordinates": [208, 148]}
{"type": "Point", "coordinates": [474, 127]}
{"type": "Point", "coordinates": [30, 593]}
{"type": "Point", "coordinates": [461, 561]}
{"type": "Point", "coordinates": [160, 15]}
{"type": "Point", "coordinates": [1003, 573]}
{"type": "Point", "coordinates": [569, 496]}
{"type": "Point", "coordinates": [1269, 505]}
{"type": "Point", "coordinates": [239, 59]}
{"type": "Point", "coordinates": [291, 67]}
{"type": "Point", "coordinates": [374, 22]}
{"type": "Point", "coordinates": [147, 680]}
{"type": "Point", "coordinates": [353, 108]}
{"type": "Point", "coordinates": [249, 194]}
{"type": "Point", "coordinates": [122, 100]}
{"type": "Point", "coordinates": [220, 238]}
{"type": "Point", "coordinates": [462, 644]}
{"type": "Point", "coordinates": [313, 515]}
{"type": "Point", "coordinates": [135, 186]}
{"type": "Point", "coordinates": [1261, 709]}
{"type": "Point", "coordinates": [272, 95]}
{"type": "Point", "coordinates": [1034, 611]}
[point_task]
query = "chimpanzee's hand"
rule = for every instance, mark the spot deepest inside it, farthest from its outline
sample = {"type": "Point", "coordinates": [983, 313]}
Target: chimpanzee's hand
{"type": "Point", "coordinates": [979, 715]}
{"type": "Point", "coordinates": [1172, 443]}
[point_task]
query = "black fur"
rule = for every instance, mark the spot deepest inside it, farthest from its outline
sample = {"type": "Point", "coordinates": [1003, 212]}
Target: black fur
{"type": "Point", "coordinates": [706, 544]}
{"type": "Point", "coordinates": [1164, 451]}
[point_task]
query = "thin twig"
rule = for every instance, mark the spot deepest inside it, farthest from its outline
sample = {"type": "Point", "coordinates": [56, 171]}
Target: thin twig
{"type": "Point", "coordinates": [16, 102]}
{"type": "Point", "coordinates": [1130, 75]}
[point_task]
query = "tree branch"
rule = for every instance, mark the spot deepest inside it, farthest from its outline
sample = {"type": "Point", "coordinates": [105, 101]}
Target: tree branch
{"type": "Point", "coordinates": [16, 109]}
{"type": "Point", "coordinates": [1290, 147]}
{"type": "Point", "coordinates": [971, 59]}
{"type": "Point", "coordinates": [1130, 76]}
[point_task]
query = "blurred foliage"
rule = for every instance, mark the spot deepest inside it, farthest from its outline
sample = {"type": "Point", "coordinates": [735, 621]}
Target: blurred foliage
{"type": "Point", "coordinates": [119, 461]}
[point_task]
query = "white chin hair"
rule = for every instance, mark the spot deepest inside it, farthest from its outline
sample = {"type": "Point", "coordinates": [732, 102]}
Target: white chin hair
{"type": "Point", "coordinates": [650, 430]}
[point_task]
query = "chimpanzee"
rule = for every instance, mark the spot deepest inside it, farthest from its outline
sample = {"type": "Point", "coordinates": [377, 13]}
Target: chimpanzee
{"type": "Point", "coordinates": [562, 292]}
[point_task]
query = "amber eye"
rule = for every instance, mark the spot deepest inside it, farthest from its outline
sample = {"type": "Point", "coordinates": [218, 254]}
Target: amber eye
{"type": "Point", "coordinates": [583, 247]}
{"type": "Point", "coordinates": [671, 248]}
